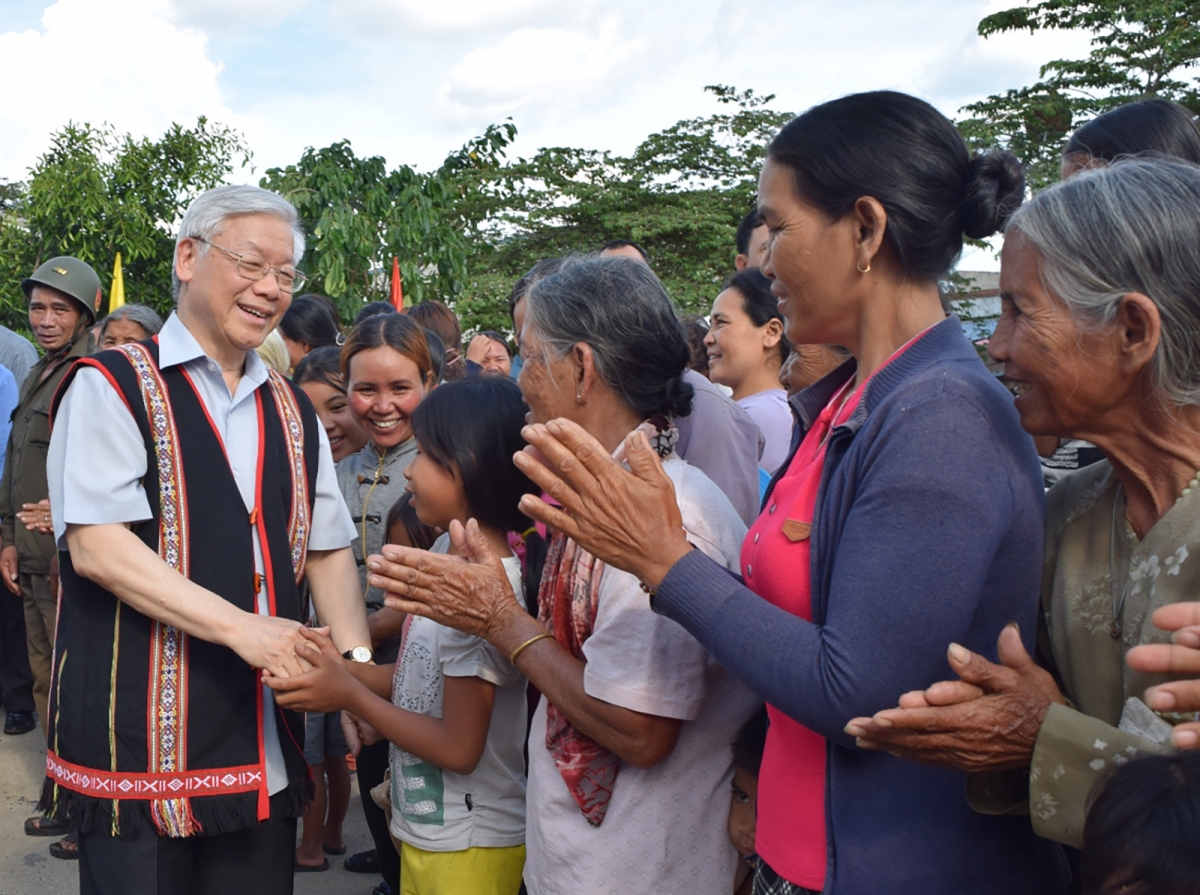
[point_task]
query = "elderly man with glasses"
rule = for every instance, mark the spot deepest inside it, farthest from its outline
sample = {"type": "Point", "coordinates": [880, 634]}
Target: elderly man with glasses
{"type": "Point", "coordinates": [192, 490]}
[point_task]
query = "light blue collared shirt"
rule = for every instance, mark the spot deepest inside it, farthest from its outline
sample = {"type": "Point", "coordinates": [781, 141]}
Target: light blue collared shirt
{"type": "Point", "coordinates": [97, 460]}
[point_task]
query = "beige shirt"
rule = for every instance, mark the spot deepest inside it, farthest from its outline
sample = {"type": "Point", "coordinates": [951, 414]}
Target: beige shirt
{"type": "Point", "coordinates": [1085, 521]}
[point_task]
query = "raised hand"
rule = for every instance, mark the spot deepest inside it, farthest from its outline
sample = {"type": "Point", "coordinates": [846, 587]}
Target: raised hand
{"type": "Point", "coordinates": [627, 518]}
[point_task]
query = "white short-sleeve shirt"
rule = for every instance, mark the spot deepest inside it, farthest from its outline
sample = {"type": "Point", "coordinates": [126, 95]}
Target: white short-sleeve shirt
{"type": "Point", "coordinates": [666, 826]}
{"type": "Point", "coordinates": [97, 460]}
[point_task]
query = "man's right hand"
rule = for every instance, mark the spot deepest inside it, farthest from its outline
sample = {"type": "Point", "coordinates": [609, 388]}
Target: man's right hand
{"type": "Point", "coordinates": [269, 643]}
{"type": "Point", "coordinates": [10, 567]}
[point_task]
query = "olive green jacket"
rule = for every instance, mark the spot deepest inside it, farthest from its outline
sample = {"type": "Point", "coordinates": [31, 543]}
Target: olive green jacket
{"type": "Point", "coordinates": [24, 479]}
{"type": "Point", "coordinates": [1080, 743]}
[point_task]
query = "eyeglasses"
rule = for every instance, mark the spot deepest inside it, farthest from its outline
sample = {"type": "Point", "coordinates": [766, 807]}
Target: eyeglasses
{"type": "Point", "coordinates": [254, 268]}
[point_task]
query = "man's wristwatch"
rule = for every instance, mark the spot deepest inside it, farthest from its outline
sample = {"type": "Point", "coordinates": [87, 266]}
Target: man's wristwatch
{"type": "Point", "coordinates": [362, 654]}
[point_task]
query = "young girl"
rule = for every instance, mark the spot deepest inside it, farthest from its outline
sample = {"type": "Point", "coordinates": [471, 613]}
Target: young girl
{"type": "Point", "coordinates": [746, 348]}
{"type": "Point", "coordinates": [457, 715]}
{"type": "Point", "coordinates": [319, 373]}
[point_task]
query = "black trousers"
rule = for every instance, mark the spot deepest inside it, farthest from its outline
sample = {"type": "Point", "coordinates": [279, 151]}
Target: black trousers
{"type": "Point", "coordinates": [257, 860]}
{"type": "Point", "coordinates": [16, 677]}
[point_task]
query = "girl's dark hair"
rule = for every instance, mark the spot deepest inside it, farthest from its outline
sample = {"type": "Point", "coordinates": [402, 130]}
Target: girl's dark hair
{"type": "Point", "coordinates": [395, 331]}
{"type": "Point", "coordinates": [1146, 126]}
{"type": "Point", "coordinates": [437, 355]}
{"type": "Point", "coordinates": [696, 329]}
{"type": "Point", "coordinates": [474, 425]}
{"type": "Point", "coordinates": [759, 303]}
{"type": "Point", "coordinates": [373, 309]}
{"type": "Point", "coordinates": [1142, 829]}
{"type": "Point", "coordinates": [907, 155]}
{"type": "Point", "coordinates": [618, 308]}
{"type": "Point", "coordinates": [750, 743]}
{"type": "Point", "coordinates": [309, 320]}
{"type": "Point", "coordinates": [419, 534]}
{"type": "Point", "coordinates": [434, 315]}
{"type": "Point", "coordinates": [321, 365]}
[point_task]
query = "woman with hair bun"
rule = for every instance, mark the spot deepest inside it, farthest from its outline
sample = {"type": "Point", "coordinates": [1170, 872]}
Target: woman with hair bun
{"type": "Point", "coordinates": [907, 516]}
{"type": "Point", "coordinates": [309, 323]}
{"type": "Point", "coordinates": [629, 762]}
{"type": "Point", "coordinates": [746, 349]}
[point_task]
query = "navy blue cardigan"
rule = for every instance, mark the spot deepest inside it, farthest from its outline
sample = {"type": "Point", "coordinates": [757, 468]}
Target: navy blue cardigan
{"type": "Point", "coordinates": [929, 529]}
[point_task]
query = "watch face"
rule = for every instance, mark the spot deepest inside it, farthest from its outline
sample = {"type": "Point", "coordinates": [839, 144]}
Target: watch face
{"type": "Point", "coordinates": [360, 654]}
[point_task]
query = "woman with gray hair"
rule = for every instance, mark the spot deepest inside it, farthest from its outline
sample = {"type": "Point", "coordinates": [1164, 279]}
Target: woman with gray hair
{"type": "Point", "coordinates": [128, 323]}
{"type": "Point", "coordinates": [1100, 332]}
{"type": "Point", "coordinates": [629, 760]}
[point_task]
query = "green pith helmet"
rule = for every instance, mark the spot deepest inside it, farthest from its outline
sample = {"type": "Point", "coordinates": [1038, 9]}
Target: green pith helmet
{"type": "Point", "coordinates": [73, 278]}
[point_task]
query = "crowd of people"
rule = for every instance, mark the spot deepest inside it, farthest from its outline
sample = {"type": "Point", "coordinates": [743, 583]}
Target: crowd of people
{"type": "Point", "coordinates": [768, 601]}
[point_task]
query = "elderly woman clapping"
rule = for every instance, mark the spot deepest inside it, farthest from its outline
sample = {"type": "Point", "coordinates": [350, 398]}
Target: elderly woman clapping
{"type": "Point", "coordinates": [629, 760]}
{"type": "Point", "coordinates": [1100, 331]}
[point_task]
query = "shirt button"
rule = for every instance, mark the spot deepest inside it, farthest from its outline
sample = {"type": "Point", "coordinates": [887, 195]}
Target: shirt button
{"type": "Point", "coordinates": [749, 570]}
{"type": "Point", "coordinates": [771, 509]}
{"type": "Point", "coordinates": [756, 539]}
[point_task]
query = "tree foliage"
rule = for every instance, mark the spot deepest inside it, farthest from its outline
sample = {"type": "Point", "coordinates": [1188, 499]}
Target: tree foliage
{"type": "Point", "coordinates": [1139, 49]}
{"type": "Point", "coordinates": [358, 215]}
{"type": "Point", "coordinates": [680, 194]}
{"type": "Point", "coordinates": [95, 193]}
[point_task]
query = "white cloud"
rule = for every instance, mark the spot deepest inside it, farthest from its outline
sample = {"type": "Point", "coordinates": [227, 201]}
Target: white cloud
{"type": "Point", "coordinates": [380, 19]}
{"type": "Point", "coordinates": [540, 68]}
{"type": "Point", "coordinates": [123, 62]}
{"type": "Point", "coordinates": [236, 16]}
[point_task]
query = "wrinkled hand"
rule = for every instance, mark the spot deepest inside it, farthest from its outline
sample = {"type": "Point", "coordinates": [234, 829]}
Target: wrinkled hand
{"type": "Point", "coordinates": [987, 720]}
{"type": "Point", "coordinates": [269, 643]}
{"type": "Point", "coordinates": [470, 592]}
{"type": "Point", "coordinates": [1180, 657]}
{"type": "Point", "coordinates": [10, 566]}
{"type": "Point", "coordinates": [36, 516]}
{"type": "Point", "coordinates": [630, 519]}
{"type": "Point", "coordinates": [328, 686]}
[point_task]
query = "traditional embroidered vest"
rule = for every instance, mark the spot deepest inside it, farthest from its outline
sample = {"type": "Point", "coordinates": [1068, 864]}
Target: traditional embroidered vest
{"type": "Point", "coordinates": [147, 723]}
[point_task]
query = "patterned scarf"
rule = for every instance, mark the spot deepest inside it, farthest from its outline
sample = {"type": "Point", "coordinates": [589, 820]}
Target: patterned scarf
{"type": "Point", "coordinates": [567, 603]}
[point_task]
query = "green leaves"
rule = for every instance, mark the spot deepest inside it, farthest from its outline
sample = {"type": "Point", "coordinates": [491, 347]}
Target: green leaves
{"type": "Point", "coordinates": [1140, 48]}
{"type": "Point", "coordinates": [95, 193]}
{"type": "Point", "coordinates": [358, 215]}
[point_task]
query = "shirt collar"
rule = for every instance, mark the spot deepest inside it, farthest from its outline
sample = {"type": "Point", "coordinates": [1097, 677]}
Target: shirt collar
{"type": "Point", "coordinates": [176, 345]}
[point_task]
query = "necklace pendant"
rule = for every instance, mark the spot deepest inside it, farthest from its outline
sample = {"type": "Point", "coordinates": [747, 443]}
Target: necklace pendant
{"type": "Point", "coordinates": [1115, 630]}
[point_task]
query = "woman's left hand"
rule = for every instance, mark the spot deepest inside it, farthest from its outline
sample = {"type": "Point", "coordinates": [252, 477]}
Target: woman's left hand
{"type": "Point", "coordinates": [987, 720]}
{"type": "Point", "coordinates": [470, 592]}
{"type": "Point", "coordinates": [1180, 657]}
{"type": "Point", "coordinates": [628, 518]}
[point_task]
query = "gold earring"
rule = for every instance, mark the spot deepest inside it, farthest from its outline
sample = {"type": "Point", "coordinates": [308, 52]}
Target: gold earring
{"type": "Point", "coordinates": [860, 270]}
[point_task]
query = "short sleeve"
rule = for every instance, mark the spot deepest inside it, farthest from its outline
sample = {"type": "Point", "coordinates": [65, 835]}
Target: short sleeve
{"type": "Point", "coordinates": [97, 458]}
{"type": "Point", "coordinates": [332, 528]}
{"type": "Point", "coordinates": [465, 655]}
{"type": "Point", "coordinates": [639, 660]}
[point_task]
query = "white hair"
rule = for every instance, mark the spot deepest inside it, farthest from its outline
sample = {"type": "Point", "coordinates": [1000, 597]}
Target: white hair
{"type": "Point", "coordinates": [209, 211]}
{"type": "Point", "coordinates": [1133, 226]}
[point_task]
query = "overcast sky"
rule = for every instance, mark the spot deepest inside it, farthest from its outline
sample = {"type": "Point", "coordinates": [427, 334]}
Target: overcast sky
{"type": "Point", "coordinates": [413, 79]}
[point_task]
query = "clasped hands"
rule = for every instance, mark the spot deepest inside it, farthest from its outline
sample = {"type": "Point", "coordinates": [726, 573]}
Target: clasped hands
{"type": "Point", "coordinates": [989, 718]}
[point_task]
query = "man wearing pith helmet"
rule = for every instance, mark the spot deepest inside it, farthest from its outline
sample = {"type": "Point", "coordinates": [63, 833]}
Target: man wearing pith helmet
{"type": "Point", "coordinates": [192, 490]}
{"type": "Point", "coordinates": [63, 296]}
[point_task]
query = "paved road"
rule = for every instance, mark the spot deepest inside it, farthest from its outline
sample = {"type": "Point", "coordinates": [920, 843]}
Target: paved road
{"type": "Point", "coordinates": [26, 867]}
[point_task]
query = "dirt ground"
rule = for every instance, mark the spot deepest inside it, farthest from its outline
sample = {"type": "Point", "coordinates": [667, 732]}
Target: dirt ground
{"type": "Point", "coordinates": [26, 867]}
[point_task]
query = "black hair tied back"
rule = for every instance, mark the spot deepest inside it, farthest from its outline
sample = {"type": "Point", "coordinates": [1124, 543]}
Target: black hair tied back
{"type": "Point", "coordinates": [995, 189]}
